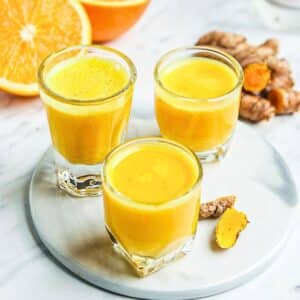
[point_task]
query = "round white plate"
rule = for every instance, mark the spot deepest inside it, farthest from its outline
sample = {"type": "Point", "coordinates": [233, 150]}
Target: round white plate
{"type": "Point", "coordinates": [73, 228]}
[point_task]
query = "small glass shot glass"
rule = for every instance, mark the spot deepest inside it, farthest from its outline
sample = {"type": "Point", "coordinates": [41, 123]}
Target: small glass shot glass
{"type": "Point", "coordinates": [205, 125]}
{"type": "Point", "coordinates": [150, 236]}
{"type": "Point", "coordinates": [84, 131]}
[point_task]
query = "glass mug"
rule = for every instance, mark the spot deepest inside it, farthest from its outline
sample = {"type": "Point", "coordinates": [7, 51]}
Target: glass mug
{"type": "Point", "coordinates": [150, 234]}
{"type": "Point", "coordinates": [84, 130]}
{"type": "Point", "coordinates": [204, 124]}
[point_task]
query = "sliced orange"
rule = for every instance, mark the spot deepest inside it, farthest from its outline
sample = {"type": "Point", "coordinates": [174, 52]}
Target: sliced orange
{"type": "Point", "coordinates": [111, 18]}
{"type": "Point", "coordinates": [32, 29]}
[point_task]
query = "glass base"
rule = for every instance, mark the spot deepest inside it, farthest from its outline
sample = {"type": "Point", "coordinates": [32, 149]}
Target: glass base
{"type": "Point", "coordinates": [82, 186]}
{"type": "Point", "coordinates": [214, 155]}
{"type": "Point", "coordinates": [144, 265]}
{"type": "Point", "coordinates": [78, 180]}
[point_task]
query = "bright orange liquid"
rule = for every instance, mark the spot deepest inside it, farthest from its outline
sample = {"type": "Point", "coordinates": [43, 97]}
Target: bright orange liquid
{"type": "Point", "coordinates": [151, 176]}
{"type": "Point", "coordinates": [200, 124]}
{"type": "Point", "coordinates": [84, 134]}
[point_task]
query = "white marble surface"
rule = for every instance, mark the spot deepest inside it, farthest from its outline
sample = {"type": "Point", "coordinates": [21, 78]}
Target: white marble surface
{"type": "Point", "coordinates": [25, 271]}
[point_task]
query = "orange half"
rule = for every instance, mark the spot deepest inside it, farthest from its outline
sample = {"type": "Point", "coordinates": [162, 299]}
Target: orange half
{"type": "Point", "coordinates": [112, 18]}
{"type": "Point", "coordinates": [30, 30]}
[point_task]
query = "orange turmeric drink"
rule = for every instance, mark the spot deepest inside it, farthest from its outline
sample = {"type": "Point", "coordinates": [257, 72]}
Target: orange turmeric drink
{"type": "Point", "coordinates": [197, 99]}
{"type": "Point", "coordinates": [151, 189]}
{"type": "Point", "coordinates": [87, 92]}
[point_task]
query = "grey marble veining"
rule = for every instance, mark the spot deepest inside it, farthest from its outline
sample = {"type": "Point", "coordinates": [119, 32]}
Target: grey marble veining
{"type": "Point", "coordinates": [25, 271]}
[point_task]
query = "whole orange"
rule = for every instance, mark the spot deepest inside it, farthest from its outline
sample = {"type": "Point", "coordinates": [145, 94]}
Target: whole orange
{"type": "Point", "coordinates": [111, 18]}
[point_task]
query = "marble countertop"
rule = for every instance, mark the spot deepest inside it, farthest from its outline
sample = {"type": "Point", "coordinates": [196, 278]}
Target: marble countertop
{"type": "Point", "coordinates": [25, 271]}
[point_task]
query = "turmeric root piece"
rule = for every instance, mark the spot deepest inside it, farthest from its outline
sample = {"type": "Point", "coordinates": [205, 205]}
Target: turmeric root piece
{"type": "Point", "coordinates": [280, 81]}
{"type": "Point", "coordinates": [278, 65]}
{"type": "Point", "coordinates": [247, 53]}
{"type": "Point", "coordinates": [240, 51]}
{"type": "Point", "coordinates": [268, 48]}
{"type": "Point", "coordinates": [255, 108]}
{"type": "Point", "coordinates": [237, 45]}
{"type": "Point", "coordinates": [256, 77]}
{"type": "Point", "coordinates": [231, 223]}
{"type": "Point", "coordinates": [265, 75]}
{"type": "Point", "coordinates": [216, 208]}
{"type": "Point", "coordinates": [281, 74]}
{"type": "Point", "coordinates": [234, 44]}
{"type": "Point", "coordinates": [221, 39]}
{"type": "Point", "coordinates": [284, 101]}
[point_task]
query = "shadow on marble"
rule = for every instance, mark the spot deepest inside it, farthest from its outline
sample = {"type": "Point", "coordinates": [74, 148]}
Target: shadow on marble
{"type": "Point", "coordinates": [97, 253]}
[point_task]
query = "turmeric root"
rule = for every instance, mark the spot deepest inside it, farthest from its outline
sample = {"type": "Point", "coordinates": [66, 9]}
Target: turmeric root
{"type": "Point", "coordinates": [231, 223]}
{"type": "Point", "coordinates": [238, 46]}
{"type": "Point", "coordinates": [281, 73]}
{"type": "Point", "coordinates": [256, 77]}
{"type": "Point", "coordinates": [278, 65]}
{"type": "Point", "coordinates": [216, 208]}
{"type": "Point", "coordinates": [221, 39]}
{"type": "Point", "coordinates": [267, 49]}
{"type": "Point", "coordinates": [244, 54]}
{"type": "Point", "coordinates": [265, 75]}
{"type": "Point", "coordinates": [284, 101]}
{"type": "Point", "coordinates": [255, 108]}
{"type": "Point", "coordinates": [234, 44]}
